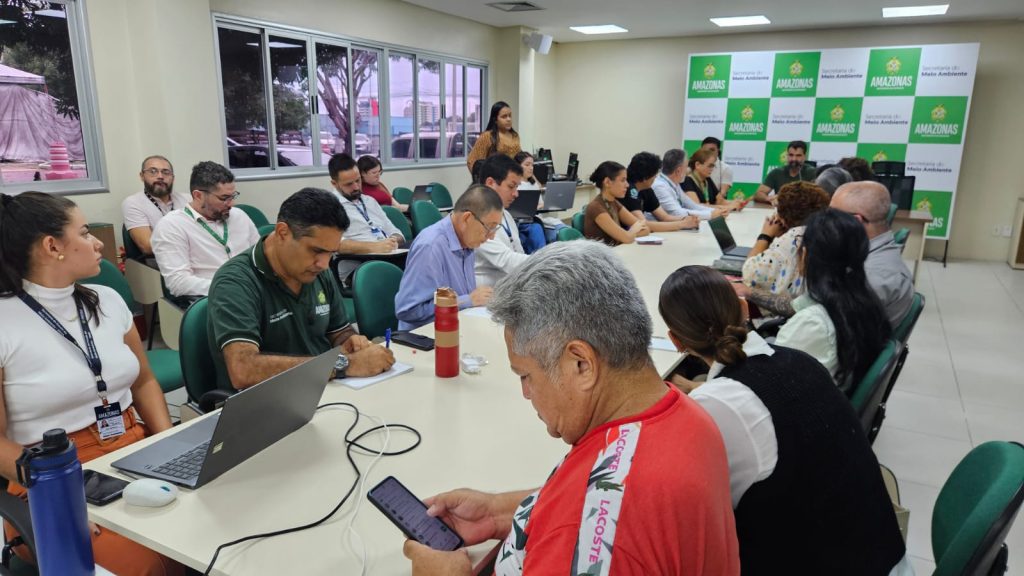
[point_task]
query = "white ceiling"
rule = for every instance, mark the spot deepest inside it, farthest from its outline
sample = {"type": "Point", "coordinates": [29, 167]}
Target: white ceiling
{"type": "Point", "coordinates": [654, 18]}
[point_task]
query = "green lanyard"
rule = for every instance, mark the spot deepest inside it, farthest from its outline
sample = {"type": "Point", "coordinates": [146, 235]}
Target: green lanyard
{"type": "Point", "coordinates": [202, 222]}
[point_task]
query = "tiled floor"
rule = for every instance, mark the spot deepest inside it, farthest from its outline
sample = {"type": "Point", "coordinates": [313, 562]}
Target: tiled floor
{"type": "Point", "coordinates": [962, 385]}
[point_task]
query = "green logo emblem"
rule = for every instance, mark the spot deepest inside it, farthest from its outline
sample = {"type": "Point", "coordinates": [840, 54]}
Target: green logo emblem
{"type": "Point", "coordinates": [796, 68]}
{"type": "Point", "coordinates": [783, 157]}
{"type": "Point", "coordinates": [880, 156]}
{"type": "Point", "coordinates": [892, 71]}
{"type": "Point", "coordinates": [795, 74]}
{"type": "Point", "coordinates": [925, 204]}
{"type": "Point", "coordinates": [938, 120]}
{"type": "Point", "coordinates": [746, 118]}
{"type": "Point", "coordinates": [747, 114]}
{"type": "Point", "coordinates": [322, 298]}
{"type": "Point", "coordinates": [709, 71]}
{"type": "Point", "coordinates": [709, 76]}
{"type": "Point", "coordinates": [836, 119]}
{"type": "Point", "coordinates": [938, 113]}
{"type": "Point", "coordinates": [892, 67]}
{"type": "Point", "coordinates": [837, 113]}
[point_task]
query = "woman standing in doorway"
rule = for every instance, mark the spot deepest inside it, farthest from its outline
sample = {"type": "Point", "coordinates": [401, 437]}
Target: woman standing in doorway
{"type": "Point", "coordinates": [498, 138]}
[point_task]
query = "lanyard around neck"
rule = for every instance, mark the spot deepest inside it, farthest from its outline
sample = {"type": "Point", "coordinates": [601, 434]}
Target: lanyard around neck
{"type": "Point", "coordinates": [202, 222]}
{"type": "Point", "coordinates": [361, 207]}
{"type": "Point", "coordinates": [157, 204]}
{"type": "Point", "coordinates": [91, 353]}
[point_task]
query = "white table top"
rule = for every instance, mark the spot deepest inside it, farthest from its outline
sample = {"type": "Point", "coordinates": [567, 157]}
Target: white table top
{"type": "Point", "coordinates": [477, 430]}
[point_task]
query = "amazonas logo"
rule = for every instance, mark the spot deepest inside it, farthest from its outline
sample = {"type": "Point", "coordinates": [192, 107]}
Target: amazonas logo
{"type": "Point", "coordinates": [795, 74]}
{"type": "Point", "coordinates": [709, 76]}
{"type": "Point", "coordinates": [880, 156]}
{"type": "Point", "coordinates": [746, 119]}
{"type": "Point", "coordinates": [837, 119]}
{"type": "Point", "coordinates": [892, 71]}
{"type": "Point", "coordinates": [938, 120]}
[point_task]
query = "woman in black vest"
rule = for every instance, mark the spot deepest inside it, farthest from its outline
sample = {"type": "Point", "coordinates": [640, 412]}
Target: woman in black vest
{"type": "Point", "coordinates": [806, 487]}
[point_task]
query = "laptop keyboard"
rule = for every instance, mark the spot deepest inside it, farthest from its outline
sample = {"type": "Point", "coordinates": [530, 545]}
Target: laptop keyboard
{"type": "Point", "coordinates": [186, 465]}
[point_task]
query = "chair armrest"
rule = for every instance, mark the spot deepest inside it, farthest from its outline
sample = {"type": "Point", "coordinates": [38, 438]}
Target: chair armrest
{"type": "Point", "coordinates": [212, 400]}
{"type": "Point", "coordinates": [15, 511]}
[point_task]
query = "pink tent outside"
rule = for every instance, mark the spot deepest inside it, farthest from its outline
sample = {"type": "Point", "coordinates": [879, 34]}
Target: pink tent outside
{"type": "Point", "coordinates": [29, 122]}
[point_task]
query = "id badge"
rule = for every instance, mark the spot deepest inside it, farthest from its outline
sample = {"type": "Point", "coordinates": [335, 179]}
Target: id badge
{"type": "Point", "coordinates": [109, 421]}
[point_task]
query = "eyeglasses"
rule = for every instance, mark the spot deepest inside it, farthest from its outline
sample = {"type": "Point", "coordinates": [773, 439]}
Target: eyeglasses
{"type": "Point", "coordinates": [490, 229]}
{"type": "Point", "coordinates": [156, 171]}
{"type": "Point", "coordinates": [224, 198]}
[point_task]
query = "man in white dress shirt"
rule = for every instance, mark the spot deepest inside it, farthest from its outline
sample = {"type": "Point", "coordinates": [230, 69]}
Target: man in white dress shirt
{"type": "Point", "coordinates": [669, 192]}
{"type": "Point", "coordinates": [502, 253]}
{"type": "Point", "coordinates": [370, 230]}
{"type": "Point", "coordinates": [191, 243]}
{"type": "Point", "coordinates": [142, 210]}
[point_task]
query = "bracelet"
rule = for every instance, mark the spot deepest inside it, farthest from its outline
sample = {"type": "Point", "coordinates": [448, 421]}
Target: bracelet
{"type": "Point", "coordinates": [765, 237]}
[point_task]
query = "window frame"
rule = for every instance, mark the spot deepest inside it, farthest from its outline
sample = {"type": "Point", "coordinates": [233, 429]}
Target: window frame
{"type": "Point", "coordinates": [88, 115]}
{"type": "Point", "coordinates": [351, 44]}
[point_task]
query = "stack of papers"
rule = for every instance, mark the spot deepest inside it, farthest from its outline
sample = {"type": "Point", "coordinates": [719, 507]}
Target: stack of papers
{"type": "Point", "coordinates": [397, 369]}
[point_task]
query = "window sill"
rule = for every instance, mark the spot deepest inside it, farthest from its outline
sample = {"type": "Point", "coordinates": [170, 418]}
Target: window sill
{"type": "Point", "coordinates": [252, 175]}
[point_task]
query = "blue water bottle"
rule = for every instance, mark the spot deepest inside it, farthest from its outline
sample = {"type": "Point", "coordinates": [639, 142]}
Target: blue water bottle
{"type": "Point", "coordinates": [56, 499]}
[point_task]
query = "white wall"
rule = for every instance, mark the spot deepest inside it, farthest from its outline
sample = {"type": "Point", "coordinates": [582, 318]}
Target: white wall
{"type": "Point", "coordinates": [615, 98]}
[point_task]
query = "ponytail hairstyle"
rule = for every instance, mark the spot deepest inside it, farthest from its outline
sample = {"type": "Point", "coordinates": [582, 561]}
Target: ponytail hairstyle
{"type": "Point", "coordinates": [607, 169]}
{"type": "Point", "coordinates": [704, 313]}
{"type": "Point", "coordinates": [834, 248]}
{"type": "Point", "coordinates": [25, 219]}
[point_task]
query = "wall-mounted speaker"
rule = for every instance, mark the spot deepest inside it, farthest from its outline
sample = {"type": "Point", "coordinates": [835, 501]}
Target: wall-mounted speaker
{"type": "Point", "coordinates": [541, 43]}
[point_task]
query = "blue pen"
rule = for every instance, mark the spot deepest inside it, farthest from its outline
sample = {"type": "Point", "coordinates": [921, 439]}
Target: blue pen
{"type": "Point", "coordinates": [387, 338]}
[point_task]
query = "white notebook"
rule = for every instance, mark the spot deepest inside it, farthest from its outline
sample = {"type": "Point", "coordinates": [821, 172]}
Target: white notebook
{"type": "Point", "coordinates": [397, 369]}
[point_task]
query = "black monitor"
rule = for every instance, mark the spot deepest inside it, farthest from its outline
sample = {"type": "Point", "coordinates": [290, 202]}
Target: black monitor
{"type": "Point", "coordinates": [543, 155]}
{"type": "Point", "coordinates": [572, 170]}
{"type": "Point", "coordinates": [901, 189]}
{"type": "Point", "coordinates": [542, 170]}
{"type": "Point", "coordinates": [888, 168]}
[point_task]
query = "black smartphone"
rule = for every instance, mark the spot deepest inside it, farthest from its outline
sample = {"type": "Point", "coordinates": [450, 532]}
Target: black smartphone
{"type": "Point", "coordinates": [101, 489]}
{"type": "Point", "coordinates": [413, 340]}
{"type": "Point", "coordinates": [410, 515]}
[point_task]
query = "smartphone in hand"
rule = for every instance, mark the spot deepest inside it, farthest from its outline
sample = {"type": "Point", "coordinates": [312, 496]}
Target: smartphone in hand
{"type": "Point", "coordinates": [409, 514]}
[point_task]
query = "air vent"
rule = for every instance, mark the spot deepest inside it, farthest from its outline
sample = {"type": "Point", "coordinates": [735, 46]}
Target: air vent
{"type": "Point", "coordinates": [514, 6]}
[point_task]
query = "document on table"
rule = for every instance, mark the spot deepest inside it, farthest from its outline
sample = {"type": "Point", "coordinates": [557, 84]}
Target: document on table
{"type": "Point", "coordinates": [480, 311]}
{"type": "Point", "coordinates": [397, 369]}
{"type": "Point", "coordinates": [650, 240]}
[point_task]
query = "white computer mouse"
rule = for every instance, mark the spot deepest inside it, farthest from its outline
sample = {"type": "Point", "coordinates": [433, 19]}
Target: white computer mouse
{"type": "Point", "coordinates": [150, 492]}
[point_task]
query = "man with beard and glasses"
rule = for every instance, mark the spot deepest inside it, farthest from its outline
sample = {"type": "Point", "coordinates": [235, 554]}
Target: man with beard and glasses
{"type": "Point", "coordinates": [795, 170]}
{"type": "Point", "coordinates": [143, 210]}
{"type": "Point", "coordinates": [192, 242]}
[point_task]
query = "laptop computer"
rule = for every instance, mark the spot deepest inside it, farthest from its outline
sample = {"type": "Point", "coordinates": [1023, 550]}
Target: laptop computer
{"type": "Point", "coordinates": [422, 192]}
{"type": "Point", "coordinates": [725, 240]}
{"type": "Point", "coordinates": [249, 421]}
{"type": "Point", "coordinates": [524, 207]}
{"type": "Point", "coordinates": [559, 196]}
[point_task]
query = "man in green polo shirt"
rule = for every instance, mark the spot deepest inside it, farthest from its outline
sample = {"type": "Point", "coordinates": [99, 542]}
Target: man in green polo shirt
{"type": "Point", "coordinates": [276, 305]}
{"type": "Point", "coordinates": [794, 170]}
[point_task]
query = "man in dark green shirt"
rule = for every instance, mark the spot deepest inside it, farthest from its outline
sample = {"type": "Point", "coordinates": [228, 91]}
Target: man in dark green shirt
{"type": "Point", "coordinates": [794, 170]}
{"type": "Point", "coordinates": [276, 305]}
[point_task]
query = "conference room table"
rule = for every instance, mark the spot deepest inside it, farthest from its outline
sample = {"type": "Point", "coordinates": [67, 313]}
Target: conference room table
{"type": "Point", "coordinates": [477, 431]}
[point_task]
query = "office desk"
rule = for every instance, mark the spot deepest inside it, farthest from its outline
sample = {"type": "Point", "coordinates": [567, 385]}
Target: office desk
{"type": "Point", "coordinates": [917, 222]}
{"type": "Point", "coordinates": [478, 431]}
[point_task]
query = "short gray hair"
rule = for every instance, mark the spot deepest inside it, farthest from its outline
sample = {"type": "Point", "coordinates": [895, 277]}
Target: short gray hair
{"type": "Point", "coordinates": [574, 291]}
{"type": "Point", "coordinates": [832, 178]}
{"type": "Point", "coordinates": [672, 160]}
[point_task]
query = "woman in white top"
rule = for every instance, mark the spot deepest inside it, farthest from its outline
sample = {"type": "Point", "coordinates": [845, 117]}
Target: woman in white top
{"type": "Point", "coordinates": [50, 382]}
{"type": "Point", "coordinates": [839, 320]}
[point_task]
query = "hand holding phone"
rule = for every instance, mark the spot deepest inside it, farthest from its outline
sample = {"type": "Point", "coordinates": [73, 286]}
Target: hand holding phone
{"type": "Point", "coordinates": [409, 514]}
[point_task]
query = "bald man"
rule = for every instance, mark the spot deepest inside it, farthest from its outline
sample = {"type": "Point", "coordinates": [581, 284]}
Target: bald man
{"type": "Point", "coordinates": [888, 275]}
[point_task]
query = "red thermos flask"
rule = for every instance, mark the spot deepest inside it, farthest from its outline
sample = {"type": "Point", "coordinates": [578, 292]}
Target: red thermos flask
{"type": "Point", "coordinates": [446, 333]}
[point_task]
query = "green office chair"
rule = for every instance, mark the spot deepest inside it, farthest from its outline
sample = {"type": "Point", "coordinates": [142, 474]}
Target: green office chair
{"type": "Point", "coordinates": [900, 237]}
{"type": "Point", "coordinates": [423, 215]}
{"type": "Point", "coordinates": [164, 363]}
{"type": "Point", "coordinates": [566, 234]}
{"type": "Point", "coordinates": [131, 249]}
{"type": "Point", "coordinates": [399, 220]}
{"type": "Point", "coordinates": [402, 195]}
{"type": "Point", "coordinates": [440, 195]}
{"type": "Point", "coordinates": [891, 215]}
{"type": "Point", "coordinates": [577, 221]}
{"type": "Point", "coordinates": [976, 509]}
{"type": "Point", "coordinates": [902, 335]}
{"type": "Point", "coordinates": [196, 361]}
{"type": "Point", "coordinates": [255, 214]}
{"type": "Point", "coordinates": [866, 395]}
{"type": "Point", "coordinates": [266, 229]}
{"type": "Point", "coordinates": [374, 288]}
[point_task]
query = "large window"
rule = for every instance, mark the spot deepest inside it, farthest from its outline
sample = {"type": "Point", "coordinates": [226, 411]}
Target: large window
{"type": "Point", "coordinates": [50, 139]}
{"type": "Point", "coordinates": [292, 98]}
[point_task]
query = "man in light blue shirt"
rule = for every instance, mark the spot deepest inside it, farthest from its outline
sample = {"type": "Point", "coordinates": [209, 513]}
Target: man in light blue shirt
{"type": "Point", "coordinates": [667, 187]}
{"type": "Point", "coordinates": [442, 256]}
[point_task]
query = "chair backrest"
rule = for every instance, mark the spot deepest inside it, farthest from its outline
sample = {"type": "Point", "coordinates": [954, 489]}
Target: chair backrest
{"type": "Point", "coordinates": [976, 508]}
{"type": "Point", "coordinates": [373, 293]}
{"type": "Point", "coordinates": [131, 249]}
{"type": "Point", "coordinates": [906, 326]}
{"type": "Point", "coordinates": [566, 234]}
{"type": "Point", "coordinates": [423, 215]}
{"type": "Point", "coordinates": [867, 394]}
{"type": "Point", "coordinates": [402, 194]}
{"type": "Point", "coordinates": [889, 168]}
{"type": "Point", "coordinates": [900, 236]}
{"type": "Point", "coordinates": [196, 363]}
{"type": "Point", "coordinates": [892, 214]}
{"type": "Point", "coordinates": [266, 229]}
{"type": "Point", "coordinates": [111, 277]}
{"type": "Point", "coordinates": [440, 195]}
{"type": "Point", "coordinates": [577, 221]}
{"type": "Point", "coordinates": [399, 220]}
{"type": "Point", "coordinates": [255, 214]}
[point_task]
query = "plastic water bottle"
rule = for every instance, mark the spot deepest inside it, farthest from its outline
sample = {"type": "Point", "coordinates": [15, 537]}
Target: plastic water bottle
{"type": "Point", "coordinates": [56, 500]}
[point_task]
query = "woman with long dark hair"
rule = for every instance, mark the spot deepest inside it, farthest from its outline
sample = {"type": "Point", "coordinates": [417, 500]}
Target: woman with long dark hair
{"type": "Point", "coordinates": [499, 137]}
{"type": "Point", "coordinates": [805, 485]}
{"type": "Point", "coordinates": [605, 219]}
{"type": "Point", "coordinates": [839, 319]}
{"type": "Point", "coordinates": [49, 382]}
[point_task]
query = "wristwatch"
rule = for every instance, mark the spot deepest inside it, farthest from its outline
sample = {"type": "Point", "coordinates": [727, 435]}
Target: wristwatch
{"type": "Point", "coordinates": [766, 238]}
{"type": "Point", "coordinates": [340, 366]}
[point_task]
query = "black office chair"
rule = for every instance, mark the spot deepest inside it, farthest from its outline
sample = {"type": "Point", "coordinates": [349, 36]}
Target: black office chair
{"type": "Point", "coordinates": [887, 168]}
{"type": "Point", "coordinates": [16, 512]}
{"type": "Point", "coordinates": [901, 189]}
